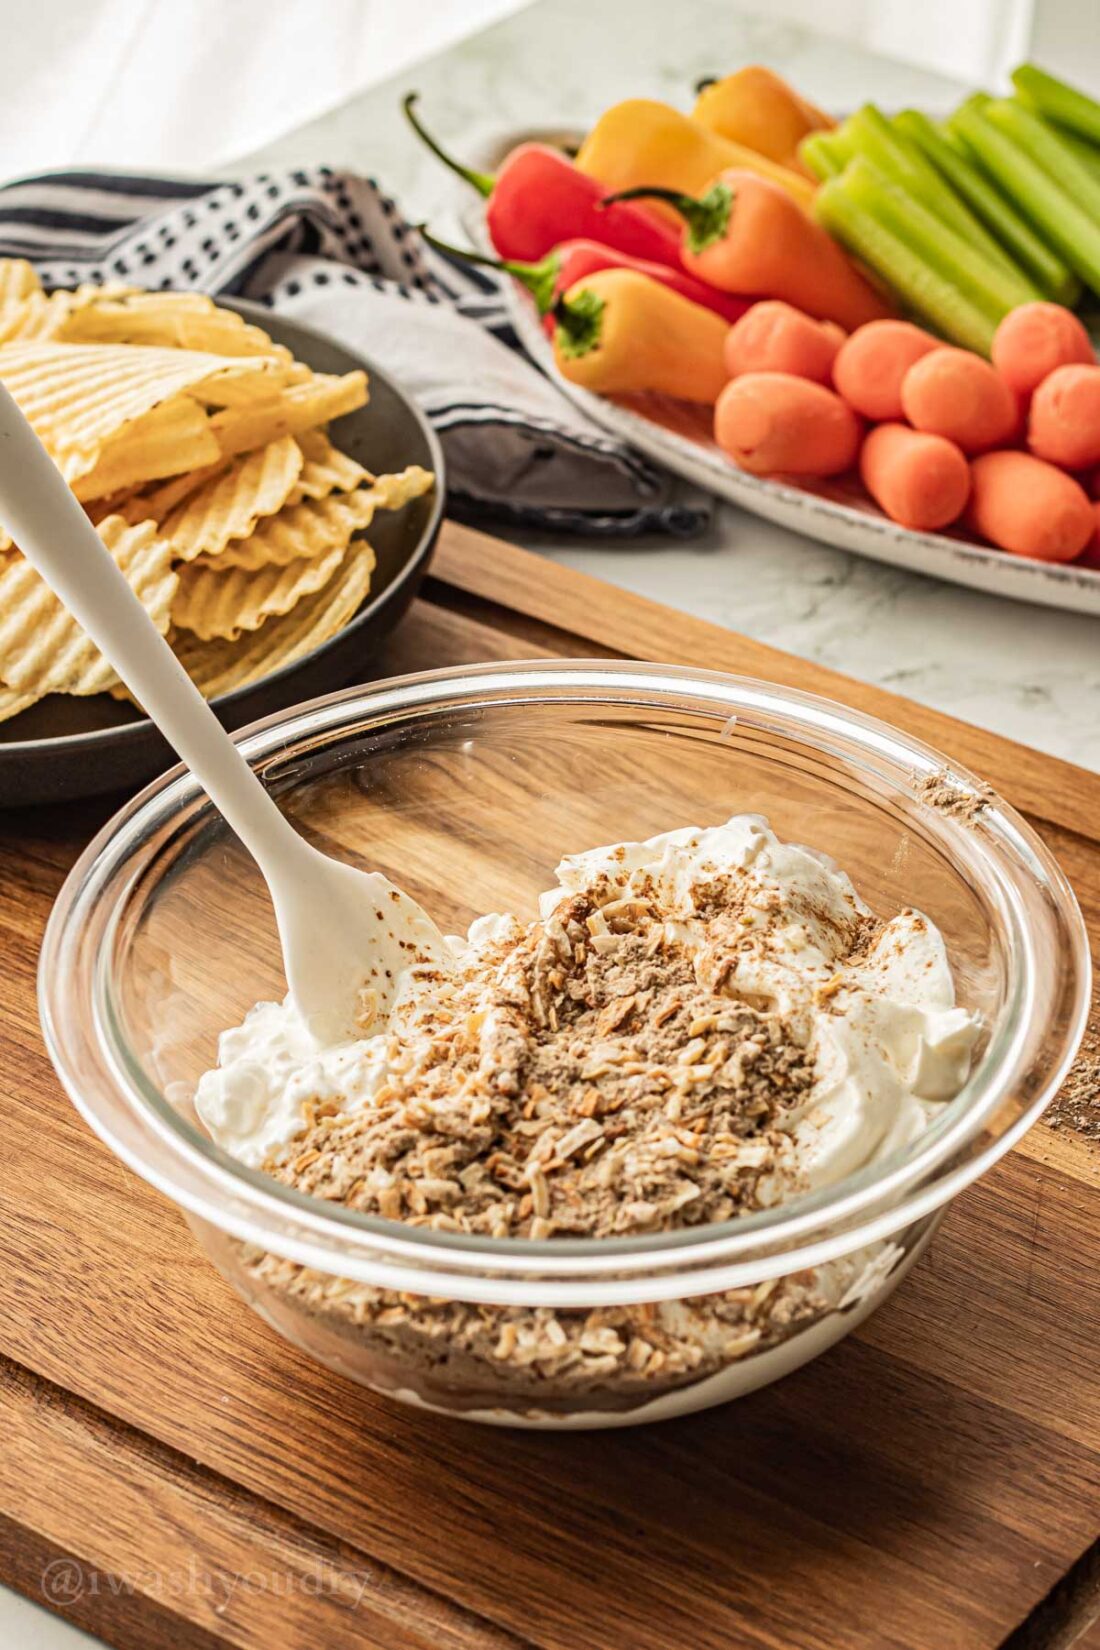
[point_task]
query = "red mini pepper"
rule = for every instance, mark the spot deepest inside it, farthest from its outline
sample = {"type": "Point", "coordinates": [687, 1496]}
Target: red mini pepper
{"type": "Point", "coordinates": [547, 278]}
{"type": "Point", "coordinates": [747, 235]}
{"type": "Point", "coordinates": [538, 199]}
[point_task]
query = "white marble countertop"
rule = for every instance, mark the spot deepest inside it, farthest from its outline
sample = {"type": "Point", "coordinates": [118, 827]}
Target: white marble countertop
{"type": "Point", "coordinates": [1031, 673]}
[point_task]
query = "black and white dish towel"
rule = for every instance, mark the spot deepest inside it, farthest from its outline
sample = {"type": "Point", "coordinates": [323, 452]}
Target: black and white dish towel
{"type": "Point", "coordinates": [332, 249]}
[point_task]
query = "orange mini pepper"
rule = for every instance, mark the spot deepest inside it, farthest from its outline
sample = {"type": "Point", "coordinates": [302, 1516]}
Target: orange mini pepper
{"type": "Point", "coordinates": [618, 332]}
{"type": "Point", "coordinates": [641, 141]}
{"type": "Point", "coordinates": [747, 236]}
{"type": "Point", "coordinates": [756, 107]}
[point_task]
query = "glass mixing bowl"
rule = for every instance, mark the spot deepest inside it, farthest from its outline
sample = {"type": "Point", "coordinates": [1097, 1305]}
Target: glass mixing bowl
{"type": "Point", "coordinates": [466, 787]}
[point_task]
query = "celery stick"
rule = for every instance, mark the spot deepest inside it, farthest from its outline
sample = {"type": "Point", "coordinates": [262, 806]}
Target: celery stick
{"type": "Point", "coordinates": [1051, 276]}
{"type": "Point", "coordinates": [1069, 226]}
{"type": "Point", "coordinates": [1043, 143]}
{"type": "Point", "coordinates": [953, 140]}
{"type": "Point", "coordinates": [893, 154]}
{"type": "Point", "coordinates": [923, 289]}
{"type": "Point", "coordinates": [1056, 100]}
{"type": "Point", "coordinates": [1087, 153]}
{"type": "Point", "coordinates": [950, 255]}
{"type": "Point", "coordinates": [900, 158]}
{"type": "Point", "coordinates": [815, 154]}
{"type": "Point", "coordinates": [825, 153]}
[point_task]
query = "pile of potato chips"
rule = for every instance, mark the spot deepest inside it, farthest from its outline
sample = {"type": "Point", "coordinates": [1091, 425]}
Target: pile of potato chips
{"type": "Point", "coordinates": [197, 446]}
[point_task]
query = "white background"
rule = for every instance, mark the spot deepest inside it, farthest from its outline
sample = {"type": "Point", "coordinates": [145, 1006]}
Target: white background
{"type": "Point", "coordinates": [191, 83]}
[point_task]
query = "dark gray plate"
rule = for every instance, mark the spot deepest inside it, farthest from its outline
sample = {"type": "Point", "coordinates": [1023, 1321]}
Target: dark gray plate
{"type": "Point", "coordinates": [64, 747]}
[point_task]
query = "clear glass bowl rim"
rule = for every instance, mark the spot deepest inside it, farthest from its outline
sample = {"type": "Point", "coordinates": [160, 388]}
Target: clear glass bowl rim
{"type": "Point", "coordinates": [108, 1086]}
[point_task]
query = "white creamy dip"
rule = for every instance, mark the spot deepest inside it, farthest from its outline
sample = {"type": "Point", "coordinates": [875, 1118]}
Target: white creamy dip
{"type": "Point", "coordinates": [888, 1041]}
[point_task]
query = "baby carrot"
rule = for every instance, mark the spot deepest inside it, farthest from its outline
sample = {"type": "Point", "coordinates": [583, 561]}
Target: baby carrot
{"type": "Point", "coordinates": [746, 235]}
{"type": "Point", "coordinates": [957, 394]}
{"type": "Point", "coordinates": [774, 337]}
{"type": "Point", "coordinates": [873, 361]}
{"type": "Point", "coordinates": [772, 423]}
{"type": "Point", "coordinates": [1028, 507]}
{"type": "Point", "coordinates": [919, 480]}
{"type": "Point", "coordinates": [618, 332]}
{"type": "Point", "coordinates": [1034, 339]}
{"type": "Point", "coordinates": [1064, 423]}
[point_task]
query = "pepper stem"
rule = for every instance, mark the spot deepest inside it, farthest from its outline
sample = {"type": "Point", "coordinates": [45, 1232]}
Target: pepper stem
{"type": "Point", "coordinates": [579, 323]}
{"type": "Point", "coordinates": [483, 182]}
{"type": "Point", "coordinates": [539, 278]}
{"type": "Point", "coordinates": [707, 216]}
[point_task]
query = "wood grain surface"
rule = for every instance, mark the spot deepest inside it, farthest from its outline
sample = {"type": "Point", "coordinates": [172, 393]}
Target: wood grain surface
{"type": "Point", "coordinates": [178, 1476]}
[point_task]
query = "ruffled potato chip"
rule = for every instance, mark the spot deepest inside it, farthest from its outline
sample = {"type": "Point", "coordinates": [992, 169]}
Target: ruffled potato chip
{"type": "Point", "coordinates": [199, 450]}
{"type": "Point", "coordinates": [77, 396]}
{"type": "Point", "coordinates": [17, 280]}
{"type": "Point", "coordinates": [174, 320]}
{"type": "Point", "coordinates": [229, 506]}
{"type": "Point", "coordinates": [35, 316]}
{"type": "Point", "coordinates": [11, 703]}
{"type": "Point", "coordinates": [299, 530]}
{"type": "Point", "coordinates": [42, 648]}
{"type": "Point", "coordinates": [154, 503]}
{"type": "Point", "coordinates": [174, 436]}
{"type": "Point", "coordinates": [300, 407]}
{"type": "Point", "coordinates": [325, 470]}
{"type": "Point", "coordinates": [212, 603]}
{"type": "Point", "coordinates": [314, 526]}
{"type": "Point", "coordinates": [38, 316]}
{"type": "Point", "coordinates": [220, 666]}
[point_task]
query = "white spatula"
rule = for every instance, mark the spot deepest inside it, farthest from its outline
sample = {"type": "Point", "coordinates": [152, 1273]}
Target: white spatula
{"type": "Point", "coordinates": [346, 935]}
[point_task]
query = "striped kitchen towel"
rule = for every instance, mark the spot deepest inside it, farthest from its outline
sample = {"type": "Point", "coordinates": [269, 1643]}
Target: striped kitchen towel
{"type": "Point", "coordinates": [333, 249]}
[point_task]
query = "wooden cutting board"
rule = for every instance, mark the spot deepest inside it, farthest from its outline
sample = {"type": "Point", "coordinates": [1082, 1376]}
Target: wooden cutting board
{"type": "Point", "coordinates": [174, 1475]}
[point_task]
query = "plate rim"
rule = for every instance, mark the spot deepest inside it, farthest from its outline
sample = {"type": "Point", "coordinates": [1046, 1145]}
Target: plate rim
{"type": "Point", "coordinates": [1052, 585]}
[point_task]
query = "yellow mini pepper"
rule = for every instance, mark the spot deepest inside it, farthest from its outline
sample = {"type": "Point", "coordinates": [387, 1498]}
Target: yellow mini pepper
{"type": "Point", "coordinates": [756, 107]}
{"type": "Point", "coordinates": [644, 142]}
{"type": "Point", "coordinates": [619, 333]}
